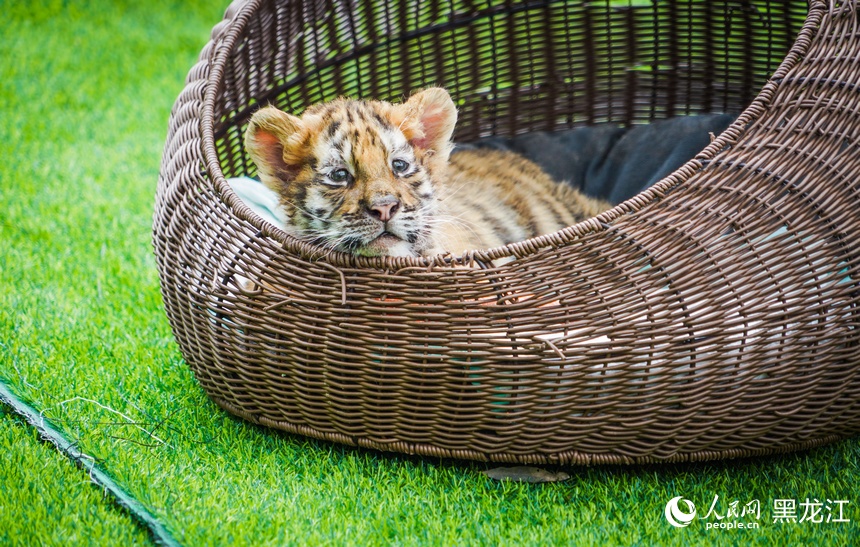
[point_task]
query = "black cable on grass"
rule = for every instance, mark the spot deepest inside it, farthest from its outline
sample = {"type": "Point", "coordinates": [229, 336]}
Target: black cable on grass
{"type": "Point", "coordinates": [50, 433]}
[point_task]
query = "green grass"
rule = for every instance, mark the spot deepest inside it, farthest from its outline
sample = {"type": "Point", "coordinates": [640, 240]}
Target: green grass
{"type": "Point", "coordinates": [39, 486]}
{"type": "Point", "coordinates": [85, 93]}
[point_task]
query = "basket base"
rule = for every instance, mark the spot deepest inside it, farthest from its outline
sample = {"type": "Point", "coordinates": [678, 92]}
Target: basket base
{"type": "Point", "coordinates": [572, 457]}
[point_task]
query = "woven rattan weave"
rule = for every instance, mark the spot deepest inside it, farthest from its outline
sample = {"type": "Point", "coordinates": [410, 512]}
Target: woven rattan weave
{"type": "Point", "coordinates": [714, 315]}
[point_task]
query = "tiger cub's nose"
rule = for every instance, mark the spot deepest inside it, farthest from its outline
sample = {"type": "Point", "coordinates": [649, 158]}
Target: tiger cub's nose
{"type": "Point", "coordinates": [384, 208]}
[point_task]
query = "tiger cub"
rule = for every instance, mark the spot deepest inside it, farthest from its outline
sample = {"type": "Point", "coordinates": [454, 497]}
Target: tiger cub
{"type": "Point", "coordinates": [374, 178]}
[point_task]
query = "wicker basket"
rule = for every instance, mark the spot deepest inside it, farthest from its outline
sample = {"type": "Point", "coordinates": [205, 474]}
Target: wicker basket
{"type": "Point", "coordinates": [714, 315]}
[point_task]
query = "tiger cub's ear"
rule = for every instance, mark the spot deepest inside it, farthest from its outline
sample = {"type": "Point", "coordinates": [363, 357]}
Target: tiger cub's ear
{"type": "Point", "coordinates": [273, 142]}
{"type": "Point", "coordinates": [430, 116]}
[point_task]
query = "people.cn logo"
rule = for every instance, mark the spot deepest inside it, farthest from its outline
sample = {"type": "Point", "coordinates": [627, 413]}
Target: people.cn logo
{"type": "Point", "coordinates": [677, 517]}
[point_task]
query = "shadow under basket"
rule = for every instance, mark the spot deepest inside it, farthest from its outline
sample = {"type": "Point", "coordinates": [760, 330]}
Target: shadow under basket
{"type": "Point", "coordinates": [714, 315]}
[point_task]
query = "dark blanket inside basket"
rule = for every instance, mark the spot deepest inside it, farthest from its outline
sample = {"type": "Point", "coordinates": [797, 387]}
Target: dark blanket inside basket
{"type": "Point", "coordinates": [612, 162]}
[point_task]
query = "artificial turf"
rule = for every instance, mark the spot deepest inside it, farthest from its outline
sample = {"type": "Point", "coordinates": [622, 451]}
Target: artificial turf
{"type": "Point", "coordinates": [85, 93]}
{"type": "Point", "coordinates": [45, 499]}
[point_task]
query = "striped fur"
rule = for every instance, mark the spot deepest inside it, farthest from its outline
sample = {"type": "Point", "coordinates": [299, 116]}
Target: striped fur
{"type": "Point", "coordinates": [374, 178]}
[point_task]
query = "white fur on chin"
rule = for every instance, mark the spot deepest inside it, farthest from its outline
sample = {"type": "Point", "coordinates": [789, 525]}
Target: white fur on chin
{"type": "Point", "coordinates": [401, 248]}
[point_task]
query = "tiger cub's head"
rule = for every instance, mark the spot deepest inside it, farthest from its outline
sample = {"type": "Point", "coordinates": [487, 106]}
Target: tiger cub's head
{"type": "Point", "coordinates": [358, 176]}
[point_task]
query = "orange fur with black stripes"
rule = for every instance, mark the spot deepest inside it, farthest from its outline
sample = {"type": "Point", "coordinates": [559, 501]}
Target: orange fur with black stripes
{"type": "Point", "coordinates": [374, 178]}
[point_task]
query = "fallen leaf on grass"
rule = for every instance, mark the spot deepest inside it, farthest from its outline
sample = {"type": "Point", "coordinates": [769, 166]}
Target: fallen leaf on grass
{"type": "Point", "coordinates": [525, 473]}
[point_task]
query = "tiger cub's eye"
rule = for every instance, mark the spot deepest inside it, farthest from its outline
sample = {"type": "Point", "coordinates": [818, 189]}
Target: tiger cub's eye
{"type": "Point", "coordinates": [339, 176]}
{"type": "Point", "coordinates": [399, 166]}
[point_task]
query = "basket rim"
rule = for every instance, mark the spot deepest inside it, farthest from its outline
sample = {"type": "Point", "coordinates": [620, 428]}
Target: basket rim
{"type": "Point", "coordinates": [218, 57]}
